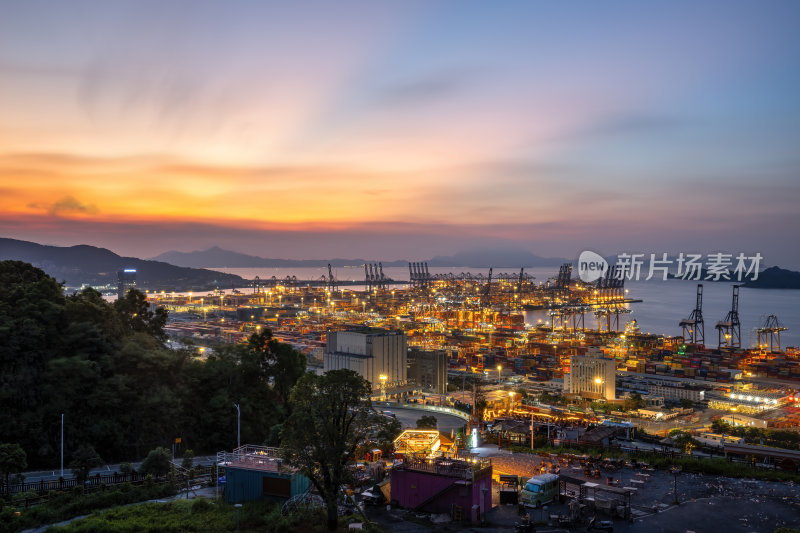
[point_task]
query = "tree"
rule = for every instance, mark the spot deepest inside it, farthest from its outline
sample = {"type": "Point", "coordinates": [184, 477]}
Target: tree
{"type": "Point", "coordinates": [683, 440]}
{"type": "Point", "coordinates": [158, 462]}
{"type": "Point", "coordinates": [12, 460]}
{"type": "Point", "coordinates": [686, 403]}
{"type": "Point", "coordinates": [427, 422]}
{"type": "Point", "coordinates": [634, 401]}
{"type": "Point", "coordinates": [280, 363]}
{"type": "Point", "coordinates": [188, 459]}
{"type": "Point", "coordinates": [83, 460]}
{"type": "Point", "coordinates": [136, 316]}
{"type": "Point", "coordinates": [330, 418]}
{"type": "Point", "coordinates": [388, 430]}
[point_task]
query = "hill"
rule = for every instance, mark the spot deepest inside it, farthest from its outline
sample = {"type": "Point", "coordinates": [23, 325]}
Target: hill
{"type": "Point", "coordinates": [775, 278]}
{"type": "Point", "coordinates": [216, 257]}
{"type": "Point", "coordinates": [496, 258]}
{"type": "Point", "coordinates": [98, 266]}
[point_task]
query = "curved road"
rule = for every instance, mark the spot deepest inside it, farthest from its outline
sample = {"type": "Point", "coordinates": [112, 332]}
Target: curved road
{"type": "Point", "coordinates": [408, 418]}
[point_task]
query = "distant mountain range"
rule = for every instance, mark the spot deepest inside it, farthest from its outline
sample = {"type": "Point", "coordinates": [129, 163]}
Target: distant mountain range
{"type": "Point", "coordinates": [216, 257]}
{"type": "Point", "coordinates": [496, 258]}
{"type": "Point", "coordinates": [98, 266]}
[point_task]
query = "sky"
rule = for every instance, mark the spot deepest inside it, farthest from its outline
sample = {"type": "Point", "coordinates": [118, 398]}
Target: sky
{"type": "Point", "coordinates": [402, 130]}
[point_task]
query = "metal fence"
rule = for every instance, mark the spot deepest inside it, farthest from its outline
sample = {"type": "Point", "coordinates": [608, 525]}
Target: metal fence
{"type": "Point", "coordinates": [93, 483]}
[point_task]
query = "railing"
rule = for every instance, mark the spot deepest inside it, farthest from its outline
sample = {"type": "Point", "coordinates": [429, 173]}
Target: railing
{"type": "Point", "coordinates": [463, 469]}
{"type": "Point", "coordinates": [94, 482]}
{"type": "Point", "coordinates": [251, 456]}
{"type": "Point", "coordinates": [422, 407]}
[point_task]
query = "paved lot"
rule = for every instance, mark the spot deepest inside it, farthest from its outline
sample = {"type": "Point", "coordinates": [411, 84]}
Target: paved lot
{"type": "Point", "coordinates": [707, 504]}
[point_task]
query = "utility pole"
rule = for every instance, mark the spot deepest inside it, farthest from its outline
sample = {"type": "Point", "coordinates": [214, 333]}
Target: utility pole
{"type": "Point", "coordinates": [238, 426]}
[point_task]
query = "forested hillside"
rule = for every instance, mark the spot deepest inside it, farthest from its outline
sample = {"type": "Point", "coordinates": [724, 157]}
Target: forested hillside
{"type": "Point", "coordinates": [122, 391]}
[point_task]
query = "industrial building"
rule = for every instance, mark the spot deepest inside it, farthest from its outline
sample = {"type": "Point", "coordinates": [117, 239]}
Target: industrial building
{"type": "Point", "coordinates": [126, 280]}
{"type": "Point", "coordinates": [379, 355]}
{"type": "Point", "coordinates": [460, 488]}
{"type": "Point", "coordinates": [428, 370]}
{"type": "Point", "coordinates": [694, 394]}
{"type": "Point", "coordinates": [257, 473]}
{"type": "Point", "coordinates": [591, 376]}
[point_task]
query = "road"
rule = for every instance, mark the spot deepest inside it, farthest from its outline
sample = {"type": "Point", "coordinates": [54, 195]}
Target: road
{"type": "Point", "coordinates": [408, 418]}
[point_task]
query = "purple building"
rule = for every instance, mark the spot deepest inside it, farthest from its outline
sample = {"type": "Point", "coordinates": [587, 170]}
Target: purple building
{"type": "Point", "coordinates": [459, 487]}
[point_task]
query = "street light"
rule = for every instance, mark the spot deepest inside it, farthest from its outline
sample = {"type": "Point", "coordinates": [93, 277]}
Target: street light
{"type": "Point", "coordinates": [383, 378]}
{"type": "Point", "coordinates": [238, 426]}
{"type": "Point", "coordinates": [62, 444]}
{"type": "Point", "coordinates": [499, 376]}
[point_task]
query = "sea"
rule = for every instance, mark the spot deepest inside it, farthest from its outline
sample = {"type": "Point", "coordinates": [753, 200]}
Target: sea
{"type": "Point", "coordinates": [664, 302]}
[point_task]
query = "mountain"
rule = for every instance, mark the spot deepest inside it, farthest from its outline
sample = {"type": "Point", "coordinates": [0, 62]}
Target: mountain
{"type": "Point", "coordinates": [496, 258]}
{"type": "Point", "coordinates": [216, 257]}
{"type": "Point", "coordinates": [98, 266]}
{"type": "Point", "coordinates": [775, 278]}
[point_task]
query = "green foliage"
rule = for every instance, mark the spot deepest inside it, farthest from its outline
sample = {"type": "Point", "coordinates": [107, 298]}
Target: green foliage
{"type": "Point", "coordinates": [633, 402]}
{"type": "Point", "coordinates": [550, 399]}
{"type": "Point", "coordinates": [683, 440]}
{"type": "Point", "coordinates": [64, 505]}
{"type": "Point", "coordinates": [200, 516]}
{"type": "Point", "coordinates": [157, 463]}
{"type": "Point", "coordinates": [188, 459]}
{"type": "Point", "coordinates": [83, 460]}
{"type": "Point", "coordinates": [106, 368]}
{"type": "Point", "coordinates": [779, 438]}
{"type": "Point", "coordinates": [389, 428]}
{"type": "Point", "coordinates": [330, 418]}
{"type": "Point", "coordinates": [12, 460]}
{"type": "Point", "coordinates": [136, 317]}
{"type": "Point", "coordinates": [427, 422]}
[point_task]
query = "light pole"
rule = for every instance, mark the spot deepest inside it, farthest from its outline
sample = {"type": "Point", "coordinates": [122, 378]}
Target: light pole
{"type": "Point", "coordinates": [499, 376]}
{"type": "Point", "coordinates": [383, 379]}
{"type": "Point", "coordinates": [62, 444]}
{"type": "Point", "coordinates": [675, 470]}
{"type": "Point", "coordinates": [237, 506]}
{"type": "Point", "coordinates": [238, 426]}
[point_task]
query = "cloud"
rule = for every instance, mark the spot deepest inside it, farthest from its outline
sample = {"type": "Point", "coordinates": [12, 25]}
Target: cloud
{"type": "Point", "coordinates": [68, 205]}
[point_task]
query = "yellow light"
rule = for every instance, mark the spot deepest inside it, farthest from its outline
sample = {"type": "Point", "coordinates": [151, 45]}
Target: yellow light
{"type": "Point", "coordinates": [598, 380]}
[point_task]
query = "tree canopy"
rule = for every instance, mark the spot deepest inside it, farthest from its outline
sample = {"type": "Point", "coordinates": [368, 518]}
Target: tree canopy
{"type": "Point", "coordinates": [121, 390]}
{"type": "Point", "coordinates": [427, 422]}
{"type": "Point", "coordinates": [330, 417]}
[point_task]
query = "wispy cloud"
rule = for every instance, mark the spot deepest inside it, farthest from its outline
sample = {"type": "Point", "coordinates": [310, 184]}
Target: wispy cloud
{"type": "Point", "coordinates": [68, 205]}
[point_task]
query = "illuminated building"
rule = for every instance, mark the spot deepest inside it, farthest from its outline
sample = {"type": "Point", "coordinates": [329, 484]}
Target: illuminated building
{"type": "Point", "coordinates": [370, 352]}
{"type": "Point", "coordinates": [591, 376]}
{"type": "Point", "coordinates": [126, 280]}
